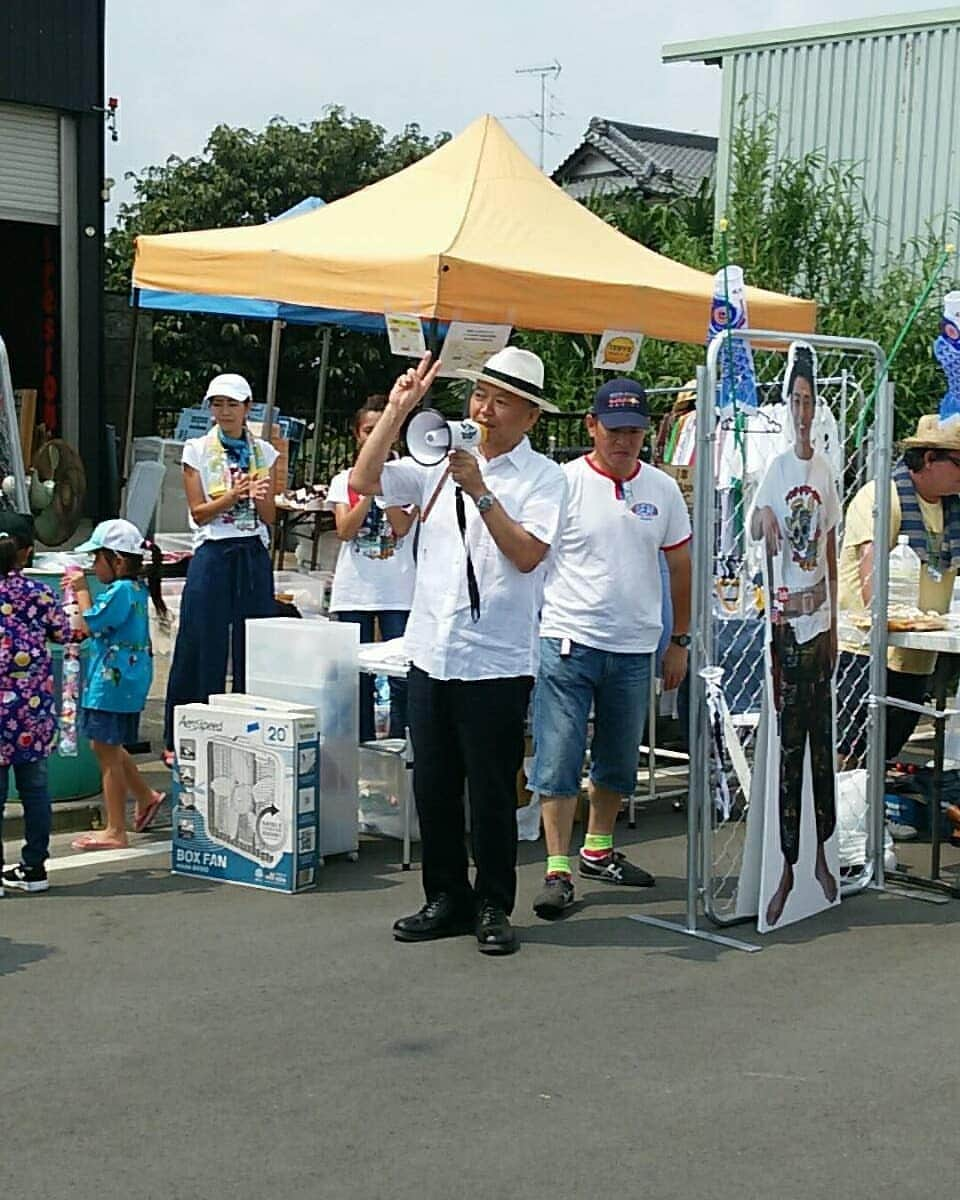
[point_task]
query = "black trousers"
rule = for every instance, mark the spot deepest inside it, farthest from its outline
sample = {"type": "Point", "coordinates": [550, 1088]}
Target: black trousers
{"type": "Point", "coordinates": [468, 730]}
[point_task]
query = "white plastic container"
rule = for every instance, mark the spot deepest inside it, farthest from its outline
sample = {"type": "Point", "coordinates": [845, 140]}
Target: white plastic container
{"type": "Point", "coordinates": [315, 663]}
{"type": "Point", "coordinates": [904, 584]}
{"type": "Point", "coordinates": [310, 593]}
{"type": "Point", "coordinates": [385, 790]}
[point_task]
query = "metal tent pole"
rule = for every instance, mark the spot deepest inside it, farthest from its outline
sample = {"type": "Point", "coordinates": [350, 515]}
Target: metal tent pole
{"type": "Point", "coordinates": [126, 465]}
{"type": "Point", "coordinates": [276, 326]}
{"type": "Point", "coordinates": [876, 775]}
{"type": "Point", "coordinates": [321, 397]}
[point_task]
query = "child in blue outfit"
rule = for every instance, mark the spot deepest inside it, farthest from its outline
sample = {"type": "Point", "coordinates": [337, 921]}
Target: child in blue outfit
{"type": "Point", "coordinates": [119, 672]}
{"type": "Point", "coordinates": [30, 617]}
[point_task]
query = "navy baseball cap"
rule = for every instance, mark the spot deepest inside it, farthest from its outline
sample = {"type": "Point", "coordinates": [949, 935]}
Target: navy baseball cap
{"type": "Point", "coordinates": [621, 403]}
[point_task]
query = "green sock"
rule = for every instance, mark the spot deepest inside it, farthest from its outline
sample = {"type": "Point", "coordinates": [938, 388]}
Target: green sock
{"type": "Point", "coordinates": [558, 864]}
{"type": "Point", "coordinates": [598, 841]}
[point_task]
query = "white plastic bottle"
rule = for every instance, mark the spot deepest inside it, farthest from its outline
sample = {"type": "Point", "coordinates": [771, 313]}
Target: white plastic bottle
{"type": "Point", "coordinates": [904, 574]}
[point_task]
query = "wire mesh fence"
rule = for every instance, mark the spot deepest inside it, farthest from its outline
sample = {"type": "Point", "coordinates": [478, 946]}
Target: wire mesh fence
{"type": "Point", "coordinates": [740, 446]}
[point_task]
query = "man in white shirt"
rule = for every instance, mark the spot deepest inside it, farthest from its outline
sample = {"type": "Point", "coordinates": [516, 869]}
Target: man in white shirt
{"type": "Point", "coordinates": [472, 634]}
{"type": "Point", "coordinates": [600, 627]}
{"type": "Point", "coordinates": [795, 514]}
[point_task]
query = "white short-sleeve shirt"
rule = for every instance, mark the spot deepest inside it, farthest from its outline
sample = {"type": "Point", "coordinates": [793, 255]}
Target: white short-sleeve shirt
{"type": "Point", "coordinates": [442, 637]}
{"type": "Point", "coordinates": [375, 571]}
{"type": "Point", "coordinates": [803, 496]}
{"type": "Point", "coordinates": [603, 588]}
{"type": "Point", "coordinates": [240, 521]}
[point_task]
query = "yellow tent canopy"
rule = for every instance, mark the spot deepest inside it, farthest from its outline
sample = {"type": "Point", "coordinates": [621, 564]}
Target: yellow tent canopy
{"type": "Point", "coordinates": [472, 232]}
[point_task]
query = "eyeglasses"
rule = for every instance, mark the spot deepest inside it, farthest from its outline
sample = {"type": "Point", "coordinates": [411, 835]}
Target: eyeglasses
{"type": "Point", "coordinates": [956, 462]}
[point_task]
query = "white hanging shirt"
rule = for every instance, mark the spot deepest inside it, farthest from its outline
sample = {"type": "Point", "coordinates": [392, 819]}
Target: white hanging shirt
{"type": "Point", "coordinates": [442, 638]}
{"type": "Point", "coordinates": [803, 496]}
{"type": "Point", "coordinates": [376, 571]}
{"type": "Point", "coordinates": [603, 589]}
{"type": "Point", "coordinates": [767, 432]}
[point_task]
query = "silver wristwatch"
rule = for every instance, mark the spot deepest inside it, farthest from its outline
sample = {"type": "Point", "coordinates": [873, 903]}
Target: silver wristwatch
{"type": "Point", "coordinates": [484, 503]}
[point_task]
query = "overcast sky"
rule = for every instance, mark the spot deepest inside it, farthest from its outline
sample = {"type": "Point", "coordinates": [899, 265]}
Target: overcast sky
{"type": "Point", "coordinates": [183, 66]}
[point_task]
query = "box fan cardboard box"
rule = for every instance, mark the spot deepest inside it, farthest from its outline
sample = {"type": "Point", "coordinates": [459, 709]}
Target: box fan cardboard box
{"type": "Point", "coordinates": [245, 803]}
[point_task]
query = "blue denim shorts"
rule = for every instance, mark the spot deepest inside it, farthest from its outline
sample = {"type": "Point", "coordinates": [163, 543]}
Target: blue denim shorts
{"type": "Point", "coordinates": [111, 728]}
{"type": "Point", "coordinates": [617, 687]}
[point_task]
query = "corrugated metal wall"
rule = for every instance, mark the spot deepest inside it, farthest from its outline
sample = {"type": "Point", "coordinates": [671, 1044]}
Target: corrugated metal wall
{"type": "Point", "coordinates": [890, 103]}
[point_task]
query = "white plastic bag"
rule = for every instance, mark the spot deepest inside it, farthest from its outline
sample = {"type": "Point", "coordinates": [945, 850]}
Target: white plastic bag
{"type": "Point", "coordinates": [852, 822]}
{"type": "Point", "coordinates": [528, 817]}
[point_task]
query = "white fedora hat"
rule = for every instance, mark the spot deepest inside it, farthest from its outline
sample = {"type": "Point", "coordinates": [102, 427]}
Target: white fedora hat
{"type": "Point", "coordinates": [514, 370]}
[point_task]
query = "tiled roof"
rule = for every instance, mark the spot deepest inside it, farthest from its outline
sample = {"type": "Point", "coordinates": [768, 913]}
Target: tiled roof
{"type": "Point", "coordinates": [661, 162]}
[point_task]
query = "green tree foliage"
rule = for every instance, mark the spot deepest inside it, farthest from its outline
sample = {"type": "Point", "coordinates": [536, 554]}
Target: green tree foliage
{"type": "Point", "coordinates": [797, 226]}
{"type": "Point", "coordinates": [246, 178]}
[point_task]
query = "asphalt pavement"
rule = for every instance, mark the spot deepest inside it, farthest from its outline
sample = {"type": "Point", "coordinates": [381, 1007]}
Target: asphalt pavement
{"type": "Point", "coordinates": [170, 1037]}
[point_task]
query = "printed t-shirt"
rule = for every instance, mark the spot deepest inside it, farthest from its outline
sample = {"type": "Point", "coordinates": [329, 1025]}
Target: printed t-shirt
{"type": "Point", "coordinates": [803, 496]}
{"type": "Point", "coordinates": [240, 521]}
{"type": "Point", "coordinates": [375, 571]}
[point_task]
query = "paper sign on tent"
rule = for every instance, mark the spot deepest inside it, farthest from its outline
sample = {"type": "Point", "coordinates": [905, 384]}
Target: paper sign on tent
{"type": "Point", "coordinates": [618, 350]}
{"type": "Point", "coordinates": [467, 346]}
{"type": "Point", "coordinates": [405, 332]}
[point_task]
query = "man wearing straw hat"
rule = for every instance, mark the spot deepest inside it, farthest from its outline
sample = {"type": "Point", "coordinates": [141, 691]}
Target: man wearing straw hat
{"type": "Point", "coordinates": [472, 636]}
{"type": "Point", "coordinates": [924, 506]}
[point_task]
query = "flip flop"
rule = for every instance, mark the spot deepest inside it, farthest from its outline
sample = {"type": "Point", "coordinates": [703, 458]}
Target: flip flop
{"type": "Point", "coordinates": [88, 841]}
{"type": "Point", "coordinates": [145, 819]}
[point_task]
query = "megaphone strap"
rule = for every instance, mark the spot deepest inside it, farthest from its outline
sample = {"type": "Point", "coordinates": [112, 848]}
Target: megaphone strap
{"type": "Point", "coordinates": [473, 591]}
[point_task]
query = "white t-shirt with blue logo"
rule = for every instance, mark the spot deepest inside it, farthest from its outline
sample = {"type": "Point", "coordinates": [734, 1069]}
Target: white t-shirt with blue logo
{"type": "Point", "coordinates": [603, 584]}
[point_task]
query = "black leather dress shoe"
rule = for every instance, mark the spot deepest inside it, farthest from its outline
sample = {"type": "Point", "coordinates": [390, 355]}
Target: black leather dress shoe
{"type": "Point", "coordinates": [495, 934]}
{"type": "Point", "coordinates": [439, 918]}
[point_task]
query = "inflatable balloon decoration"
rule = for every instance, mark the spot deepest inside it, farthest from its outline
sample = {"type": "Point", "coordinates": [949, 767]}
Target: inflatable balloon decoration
{"type": "Point", "coordinates": [946, 349]}
{"type": "Point", "coordinates": [735, 371]}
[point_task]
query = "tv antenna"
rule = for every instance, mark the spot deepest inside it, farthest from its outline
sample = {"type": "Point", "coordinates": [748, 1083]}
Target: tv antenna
{"type": "Point", "coordinates": [541, 118]}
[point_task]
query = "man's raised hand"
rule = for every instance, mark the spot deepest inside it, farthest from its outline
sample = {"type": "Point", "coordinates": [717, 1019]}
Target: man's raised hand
{"type": "Point", "coordinates": [412, 385]}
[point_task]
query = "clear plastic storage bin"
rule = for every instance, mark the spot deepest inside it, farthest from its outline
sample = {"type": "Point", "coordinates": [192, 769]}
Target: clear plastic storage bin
{"type": "Point", "coordinates": [315, 663]}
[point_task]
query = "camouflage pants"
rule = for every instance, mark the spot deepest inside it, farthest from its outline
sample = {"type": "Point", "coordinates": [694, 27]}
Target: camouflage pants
{"type": "Point", "coordinates": [806, 715]}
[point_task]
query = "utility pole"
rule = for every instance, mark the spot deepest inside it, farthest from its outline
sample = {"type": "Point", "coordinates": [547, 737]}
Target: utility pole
{"type": "Point", "coordinates": [542, 117]}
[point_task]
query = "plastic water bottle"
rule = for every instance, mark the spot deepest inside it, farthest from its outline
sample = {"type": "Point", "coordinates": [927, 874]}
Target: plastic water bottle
{"type": "Point", "coordinates": [904, 574]}
{"type": "Point", "coordinates": [381, 705]}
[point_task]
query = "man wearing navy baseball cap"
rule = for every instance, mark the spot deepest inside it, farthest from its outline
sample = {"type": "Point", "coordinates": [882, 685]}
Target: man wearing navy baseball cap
{"type": "Point", "coordinates": [599, 628]}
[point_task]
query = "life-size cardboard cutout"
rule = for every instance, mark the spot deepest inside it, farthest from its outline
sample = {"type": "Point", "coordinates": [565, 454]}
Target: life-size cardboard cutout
{"type": "Point", "coordinates": [794, 519]}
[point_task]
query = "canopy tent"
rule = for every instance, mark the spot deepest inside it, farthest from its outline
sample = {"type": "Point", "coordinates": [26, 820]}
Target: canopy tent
{"type": "Point", "coordinates": [276, 311]}
{"type": "Point", "coordinates": [259, 309]}
{"type": "Point", "coordinates": [472, 232]}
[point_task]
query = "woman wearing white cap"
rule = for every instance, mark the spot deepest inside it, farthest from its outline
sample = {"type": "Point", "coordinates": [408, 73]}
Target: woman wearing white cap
{"type": "Point", "coordinates": [229, 479]}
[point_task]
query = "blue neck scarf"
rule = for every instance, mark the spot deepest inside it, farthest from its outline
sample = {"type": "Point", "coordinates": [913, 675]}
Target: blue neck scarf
{"type": "Point", "coordinates": [947, 557]}
{"type": "Point", "coordinates": [237, 449]}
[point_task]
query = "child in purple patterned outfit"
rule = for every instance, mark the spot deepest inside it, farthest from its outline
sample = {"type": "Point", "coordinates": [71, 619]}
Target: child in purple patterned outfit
{"type": "Point", "coordinates": [30, 616]}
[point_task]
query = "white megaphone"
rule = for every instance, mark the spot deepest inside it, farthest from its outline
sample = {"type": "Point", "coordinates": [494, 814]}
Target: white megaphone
{"type": "Point", "coordinates": [430, 438]}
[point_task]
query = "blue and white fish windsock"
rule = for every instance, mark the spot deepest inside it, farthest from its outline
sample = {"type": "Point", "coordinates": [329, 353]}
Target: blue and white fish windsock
{"type": "Point", "coordinates": [737, 383]}
{"type": "Point", "coordinates": [946, 349]}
